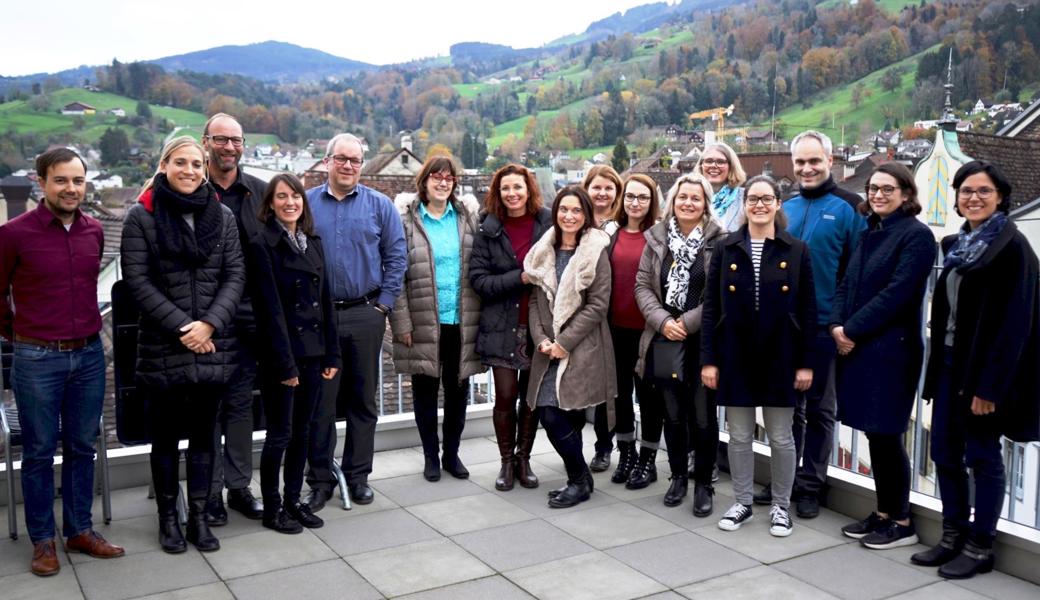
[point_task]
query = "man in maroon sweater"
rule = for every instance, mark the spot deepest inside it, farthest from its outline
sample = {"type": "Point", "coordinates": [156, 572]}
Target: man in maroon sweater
{"type": "Point", "coordinates": [50, 260]}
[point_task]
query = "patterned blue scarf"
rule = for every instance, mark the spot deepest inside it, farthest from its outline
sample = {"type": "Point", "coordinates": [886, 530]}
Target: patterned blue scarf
{"type": "Point", "coordinates": [972, 244]}
{"type": "Point", "coordinates": [722, 200]}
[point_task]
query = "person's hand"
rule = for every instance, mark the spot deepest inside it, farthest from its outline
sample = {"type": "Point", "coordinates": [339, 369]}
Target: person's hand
{"type": "Point", "coordinates": [295, 381]}
{"type": "Point", "coordinates": [406, 339]}
{"type": "Point", "coordinates": [207, 347]}
{"type": "Point", "coordinates": [710, 377]}
{"type": "Point", "coordinates": [329, 372]}
{"type": "Point", "coordinates": [845, 345]}
{"type": "Point", "coordinates": [802, 379]}
{"type": "Point", "coordinates": [524, 277]}
{"type": "Point", "coordinates": [557, 351]}
{"type": "Point", "coordinates": [196, 335]}
{"type": "Point", "coordinates": [545, 346]}
{"type": "Point", "coordinates": [674, 330]}
{"type": "Point", "coordinates": [982, 407]}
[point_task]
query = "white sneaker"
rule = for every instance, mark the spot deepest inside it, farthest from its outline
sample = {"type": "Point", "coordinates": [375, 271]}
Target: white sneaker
{"type": "Point", "coordinates": [737, 515]}
{"type": "Point", "coordinates": [779, 521]}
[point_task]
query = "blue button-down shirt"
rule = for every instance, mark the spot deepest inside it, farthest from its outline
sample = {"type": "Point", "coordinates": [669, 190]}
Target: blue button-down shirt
{"type": "Point", "coordinates": [443, 234]}
{"type": "Point", "coordinates": [363, 241]}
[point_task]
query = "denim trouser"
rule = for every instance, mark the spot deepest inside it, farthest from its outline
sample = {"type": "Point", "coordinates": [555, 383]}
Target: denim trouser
{"type": "Point", "coordinates": [742, 457]}
{"type": "Point", "coordinates": [52, 387]}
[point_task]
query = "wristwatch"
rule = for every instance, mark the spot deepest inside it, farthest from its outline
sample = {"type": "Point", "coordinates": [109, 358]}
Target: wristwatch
{"type": "Point", "coordinates": [383, 308]}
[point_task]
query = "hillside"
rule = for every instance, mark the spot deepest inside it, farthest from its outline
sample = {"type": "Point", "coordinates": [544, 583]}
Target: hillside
{"type": "Point", "coordinates": [267, 61]}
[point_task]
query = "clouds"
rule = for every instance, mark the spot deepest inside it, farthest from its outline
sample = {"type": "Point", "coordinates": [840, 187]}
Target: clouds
{"type": "Point", "coordinates": [65, 33]}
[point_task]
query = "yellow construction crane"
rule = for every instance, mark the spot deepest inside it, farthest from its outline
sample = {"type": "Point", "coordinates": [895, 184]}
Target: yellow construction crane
{"type": "Point", "coordinates": [715, 114]}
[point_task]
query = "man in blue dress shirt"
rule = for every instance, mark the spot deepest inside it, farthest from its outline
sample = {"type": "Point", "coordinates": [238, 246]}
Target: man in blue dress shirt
{"type": "Point", "coordinates": [366, 257]}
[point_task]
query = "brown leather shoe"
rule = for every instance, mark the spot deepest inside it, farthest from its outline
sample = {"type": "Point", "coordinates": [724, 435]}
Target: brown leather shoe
{"type": "Point", "coordinates": [45, 559]}
{"type": "Point", "coordinates": [93, 544]}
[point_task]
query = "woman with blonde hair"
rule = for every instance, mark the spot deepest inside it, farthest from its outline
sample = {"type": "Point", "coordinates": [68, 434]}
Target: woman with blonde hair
{"type": "Point", "coordinates": [182, 261]}
{"type": "Point", "coordinates": [720, 164]}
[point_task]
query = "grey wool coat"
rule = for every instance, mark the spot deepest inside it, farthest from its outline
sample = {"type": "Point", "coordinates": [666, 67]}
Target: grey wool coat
{"type": "Point", "coordinates": [650, 296]}
{"type": "Point", "coordinates": [573, 313]}
{"type": "Point", "coordinates": [415, 310]}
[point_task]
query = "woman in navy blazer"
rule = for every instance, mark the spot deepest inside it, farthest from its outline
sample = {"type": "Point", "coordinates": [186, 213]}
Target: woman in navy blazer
{"type": "Point", "coordinates": [876, 323]}
{"type": "Point", "coordinates": [294, 314]}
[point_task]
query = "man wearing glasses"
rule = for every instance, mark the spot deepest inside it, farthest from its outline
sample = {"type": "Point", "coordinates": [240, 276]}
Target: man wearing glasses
{"type": "Point", "coordinates": [242, 193]}
{"type": "Point", "coordinates": [366, 258]}
{"type": "Point", "coordinates": [823, 216]}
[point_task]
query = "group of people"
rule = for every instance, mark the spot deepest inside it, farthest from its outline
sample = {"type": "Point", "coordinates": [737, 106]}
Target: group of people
{"type": "Point", "coordinates": [716, 294]}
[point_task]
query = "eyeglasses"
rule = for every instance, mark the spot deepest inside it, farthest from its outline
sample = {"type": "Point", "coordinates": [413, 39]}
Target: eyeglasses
{"type": "Point", "coordinates": [439, 178]}
{"type": "Point", "coordinates": [886, 190]}
{"type": "Point", "coordinates": [763, 200]}
{"type": "Point", "coordinates": [341, 160]}
{"type": "Point", "coordinates": [631, 198]}
{"type": "Point", "coordinates": [220, 140]}
{"type": "Point", "coordinates": [983, 192]}
{"type": "Point", "coordinates": [715, 162]}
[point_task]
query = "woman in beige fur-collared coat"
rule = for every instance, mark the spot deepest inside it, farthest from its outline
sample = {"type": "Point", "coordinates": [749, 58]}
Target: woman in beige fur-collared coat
{"type": "Point", "coordinates": [437, 314]}
{"type": "Point", "coordinates": [573, 368]}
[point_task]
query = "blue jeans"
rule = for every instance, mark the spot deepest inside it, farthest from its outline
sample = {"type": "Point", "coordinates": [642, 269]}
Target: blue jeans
{"type": "Point", "coordinates": [52, 387]}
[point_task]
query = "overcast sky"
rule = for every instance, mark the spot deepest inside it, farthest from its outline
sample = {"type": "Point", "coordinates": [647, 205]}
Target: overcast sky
{"type": "Point", "coordinates": [61, 34]}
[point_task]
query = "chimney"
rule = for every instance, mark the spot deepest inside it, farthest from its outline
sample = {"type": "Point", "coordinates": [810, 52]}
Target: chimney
{"type": "Point", "coordinates": [406, 142]}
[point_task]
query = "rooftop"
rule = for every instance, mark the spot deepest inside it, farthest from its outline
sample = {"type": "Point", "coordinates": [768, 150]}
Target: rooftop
{"type": "Point", "coordinates": [462, 539]}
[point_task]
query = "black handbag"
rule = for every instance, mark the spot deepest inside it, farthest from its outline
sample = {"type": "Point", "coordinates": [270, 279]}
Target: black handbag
{"type": "Point", "coordinates": [668, 358]}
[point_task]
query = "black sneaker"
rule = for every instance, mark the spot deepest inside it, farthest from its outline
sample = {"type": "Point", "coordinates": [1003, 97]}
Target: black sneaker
{"type": "Point", "coordinates": [890, 535]}
{"type": "Point", "coordinates": [765, 497]}
{"type": "Point", "coordinates": [859, 529]}
{"type": "Point", "coordinates": [303, 515]}
{"type": "Point", "coordinates": [281, 522]}
{"type": "Point", "coordinates": [737, 515]}
{"type": "Point", "coordinates": [779, 521]}
{"type": "Point", "coordinates": [808, 507]}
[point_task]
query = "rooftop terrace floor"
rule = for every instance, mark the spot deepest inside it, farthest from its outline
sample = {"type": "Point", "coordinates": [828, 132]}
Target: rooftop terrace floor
{"type": "Point", "coordinates": [457, 539]}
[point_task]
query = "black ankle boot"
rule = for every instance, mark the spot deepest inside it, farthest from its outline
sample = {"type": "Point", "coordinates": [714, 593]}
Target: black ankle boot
{"type": "Point", "coordinates": [577, 491]}
{"type": "Point", "coordinates": [171, 538]}
{"type": "Point", "coordinates": [453, 465]}
{"type": "Point", "coordinates": [432, 468]}
{"type": "Point", "coordinates": [703, 499]}
{"type": "Point", "coordinates": [645, 471]}
{"type": "Point", "coordinates": [676, 491]}
{"type": "Point", "coordinates": [626, 462]}
{"type": "Point", "coordinates": [976, 557]}
{"type": "Point", "coordinates": [947, 549]}
{"type": "Point", "coordinates": [198, 530]}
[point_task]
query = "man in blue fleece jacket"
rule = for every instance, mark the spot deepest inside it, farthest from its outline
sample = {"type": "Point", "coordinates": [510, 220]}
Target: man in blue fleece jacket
{"type": "Point", "coordinates": [824, 216]}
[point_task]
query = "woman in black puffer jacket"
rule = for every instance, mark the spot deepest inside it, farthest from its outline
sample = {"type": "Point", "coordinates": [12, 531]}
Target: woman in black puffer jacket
{"type": "Point", "coordinates": [183, 263]}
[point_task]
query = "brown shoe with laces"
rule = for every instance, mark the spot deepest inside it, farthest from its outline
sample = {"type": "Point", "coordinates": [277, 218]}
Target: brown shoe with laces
{"type": "Point", "coordinates": [92, 544]}
{"type": "Point", "coordinates": [45, 559]}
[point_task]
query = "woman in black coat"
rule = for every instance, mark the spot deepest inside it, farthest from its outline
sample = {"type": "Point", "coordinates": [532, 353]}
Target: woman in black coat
{"type": "Point", "coordinates": [982, 372]}
{"type": "Point", "coordinates": [293, 308]}
{"type": "Point", "coordinates": [513, 220]}
{"type": "Point", "coordinates": [876, 324]}
{"type": "Point", "coordinates": [757, 328]}
{"type": "Point", "coordinates": [183, 264]}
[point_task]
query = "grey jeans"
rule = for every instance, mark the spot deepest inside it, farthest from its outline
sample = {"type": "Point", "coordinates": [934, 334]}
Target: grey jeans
{"type": "Point", "coordinates": [742, 458]}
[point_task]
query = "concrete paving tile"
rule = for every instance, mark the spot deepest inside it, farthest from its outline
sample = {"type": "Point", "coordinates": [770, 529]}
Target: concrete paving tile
{"type": "Point", "coordinates": [210, 591]}
{"type": "Point", "coordinates": [136, 535]}
{"type": "Point", "coordinates": [333, 510]}
{"type": "Point", "coordinates": [613, 525]}
{"type": "Point", "coordinates": [548, 466]}
{"type": "Point", "coordinates": [142, 574]}
{"type": "Point", "coordinates": [680, 559]}
{"type": "Point", "coordinates": [477, 450]}
{"type": "Point", "coordinates": [413, 489]}
{"type": "Point", "coordinates": [1000, 586]}
{"type": "Point", "coordinates": [484, 473]}
{"type": "Point", "coordinates": [418, 567]}
{"type": "Point", "coordinates": [619, 491]}
{"type": "Point", "coordinates": [682, 515]}
{"type": "Point", "coordinates": [536, 501]}
{"type": "Point", "coordinates": [127, 503]}
{"type": "Point", "coordinates": [395, 463]}
{"type": "Point", "coordinates": [266, 551]}
{"type": "Point", "coordinates": [496, 587]}
{"type": "Point", "coordinates": [332, 575]}
{"type": "Point", "coordinates": [752, 584]}
{"type": "Point", "coordinates": [26, 586]}
{"type": "Point", "coordinates": [863, 574]}
{"type": "Point", "coordinates": [374, 531]}
{"type": "Point", "coordinates": [469, 513]}
{"type": "Point", "coordinates": [944, 590]}
{"type": "Point", "coordinates": [590, 576]}
{"type": "Point", "coordinates": [669, 595]}
{"type": "Point", "coordinates": [753, 539]}
{"type": "Point", "coordinates": [828, 523]}
{"type": "Point", "coordinates": [15, 555]}
{"type": "Point", "coordinates": [520, 544]}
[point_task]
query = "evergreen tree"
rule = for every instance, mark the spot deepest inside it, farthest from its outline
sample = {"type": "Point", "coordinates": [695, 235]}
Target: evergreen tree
{"type": "Point", "coordinates": [115, 146]}
{"type": "Point", "coordinates": [619, 157]}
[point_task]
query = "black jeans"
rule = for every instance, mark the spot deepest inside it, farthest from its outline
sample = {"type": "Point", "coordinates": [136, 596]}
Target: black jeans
{"type": "Point", "coordinates": [961, 440]}
{"type": "Point", "coordinates": [563, 427]}
{"type": "Point", "coordinates": [456, 396]}
{"type": "Point", "coordinates": [891, 468]}
{"type": "Point", "coordinates": [289, 417]}
{"type": "Point", "coordinates": [626, 354]}
{"type": "Point", "coordinates": [351, 393]}
{"type": "Point", "coordinates": [234, 467]}
{"type": "Point", "coordinates": [814, 419]}
{"type": "Point", "coordinates": [688, 406]}
{"type": "Point", "coordinates": [184, 411]}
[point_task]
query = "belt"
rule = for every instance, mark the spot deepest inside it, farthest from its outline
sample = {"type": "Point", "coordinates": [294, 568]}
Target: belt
{"type": "Point", "coordinates": [345, 304]}
{"type": "Point", "coordinates": [58, 345]}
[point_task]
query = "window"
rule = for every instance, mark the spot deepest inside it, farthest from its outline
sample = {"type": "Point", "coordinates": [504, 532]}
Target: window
{"type": "Point", "coordinates": [1018, 473]}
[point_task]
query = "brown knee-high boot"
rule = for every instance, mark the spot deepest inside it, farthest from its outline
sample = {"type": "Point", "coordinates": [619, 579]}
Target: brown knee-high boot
{"type": "Point", "coordinates": [505, 433]}
{"type": "Point", "coordinates": [528, 427]}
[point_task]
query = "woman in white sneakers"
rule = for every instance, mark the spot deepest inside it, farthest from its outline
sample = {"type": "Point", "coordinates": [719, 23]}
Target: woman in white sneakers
{"type": "Point", "coordinates": [756, 332]}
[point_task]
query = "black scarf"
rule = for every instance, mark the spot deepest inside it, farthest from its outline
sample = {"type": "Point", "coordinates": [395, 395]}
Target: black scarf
{"type": "Point", "coordinates": [176, 239]}
{"type": "Point", "coordinates": [820, 191]}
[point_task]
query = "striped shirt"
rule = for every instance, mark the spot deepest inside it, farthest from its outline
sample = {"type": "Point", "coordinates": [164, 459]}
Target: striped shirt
{"type": "Point", "coordinates": [756, 261]}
